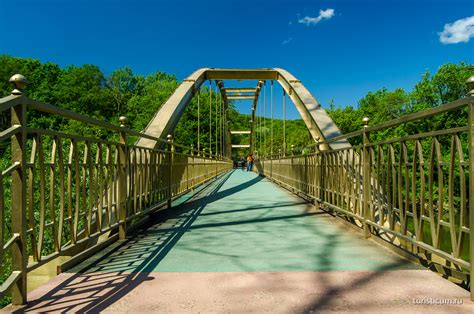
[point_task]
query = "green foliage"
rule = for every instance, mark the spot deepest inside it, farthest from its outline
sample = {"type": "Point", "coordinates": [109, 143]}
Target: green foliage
{"type": "Point", "coordinates": [447, 85]}
{"type": "Point", "coordinates": [86, 90]}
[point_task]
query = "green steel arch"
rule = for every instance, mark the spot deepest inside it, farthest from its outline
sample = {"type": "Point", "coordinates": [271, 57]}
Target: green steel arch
{"type": "Point", "coordinates": [319, 124]}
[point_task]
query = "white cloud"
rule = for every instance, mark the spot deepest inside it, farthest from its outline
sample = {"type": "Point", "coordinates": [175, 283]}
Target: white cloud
{"type": "Point", "coordinates": [323, 14]}
{"type": "Point", "coordinates": [287, 41]}
{"type": "Point", "coordinates": [460, 31]}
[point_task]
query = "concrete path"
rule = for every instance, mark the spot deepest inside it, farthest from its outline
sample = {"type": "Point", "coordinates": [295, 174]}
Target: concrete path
{"type": "Point", "coordinates": [243, 244]}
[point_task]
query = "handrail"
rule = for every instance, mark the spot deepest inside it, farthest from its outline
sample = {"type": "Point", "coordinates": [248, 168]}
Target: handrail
{"type": "Point", "coordinates": [80, 188]}
{"type": "Point", "coordinates": [397, 121]}
{"type": "Point", "coordinates": [395, 188]}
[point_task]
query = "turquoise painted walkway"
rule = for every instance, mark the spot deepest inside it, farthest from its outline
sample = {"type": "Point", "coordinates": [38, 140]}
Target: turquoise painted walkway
{"type": "Point", "coordinates": [244, 245]}
{"type": "Point", "coordinates": [243, 222]}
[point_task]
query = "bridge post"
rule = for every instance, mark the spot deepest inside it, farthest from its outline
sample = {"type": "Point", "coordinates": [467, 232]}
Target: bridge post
{"type": "Point", "coordinates": [271, 165]}
{"type": "Point", "coordinates": [192, 167]}
{"type": "Point", "coordinates": [18, 151]}
{"type": "Point", "coordinates": [170, 169]}
{"type": "Point", "coordinates": [366, 176]}
{"type": "Point", "coordinates": [216, 158]}
{"type": "Point", "coordinates": [292, 176]}
{"type": "Point", "coordinates": [470, 95]}
{"type": "Point", "coordinates": [122, 181]}
{"type": "Point", "coordinates": [317, 176]}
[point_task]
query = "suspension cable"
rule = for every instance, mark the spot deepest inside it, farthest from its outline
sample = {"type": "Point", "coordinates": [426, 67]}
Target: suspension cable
{"type": "Point", "coordinates": [224, 137]}
{"type": "Point", "coordinates": [210, 118]}
{"type": "Point", "coordinates": [284, 122]}
{"type": "Point", "coordinates": [220, 125]}
{"type": "Point", "coordinates": [271, 113]}
{"type": "Point", "coordinates": [199, 122]}
{"type": "Point", "coordinates": [259, 134]}
{"type": "Point", "coordinates": [265, 115]}
{"type": "Point", "coordinates": [259, 124]}
{"type": "Point", "coordinates": [217, 127]}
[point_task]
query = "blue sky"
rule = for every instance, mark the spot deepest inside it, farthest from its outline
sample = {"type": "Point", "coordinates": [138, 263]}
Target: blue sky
{"type": "Point", "coordinates": [357, 47]}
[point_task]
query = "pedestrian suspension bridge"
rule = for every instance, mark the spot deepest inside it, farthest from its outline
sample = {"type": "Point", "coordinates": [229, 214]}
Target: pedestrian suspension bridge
{"type": "Point", "coordinates": [134, 221]}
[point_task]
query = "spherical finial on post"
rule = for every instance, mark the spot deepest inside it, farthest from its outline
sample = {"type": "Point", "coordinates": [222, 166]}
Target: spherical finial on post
{"type": "Point", "coordinates": [365, 121]}
{"type": "Point", "coordinates": [123, 121]}
{"type": "Point", "coordinates": [470, 85]}
{"type": "Point", "coordinates": [20, 82]}
{"type": "Point", "coordinates": [169, 138]}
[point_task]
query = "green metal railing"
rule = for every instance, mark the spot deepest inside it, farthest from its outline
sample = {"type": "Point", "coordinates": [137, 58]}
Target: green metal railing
{"type": "Point", "coordinates": [60, 191]}
{"type": "Point", "coordinates": [413, 192]}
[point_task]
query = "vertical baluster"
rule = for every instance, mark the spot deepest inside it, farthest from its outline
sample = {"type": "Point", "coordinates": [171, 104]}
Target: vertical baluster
{"type": "Point", "coordinates": [354, 179]}
{"type": "Point", "coordinates": [69, 191]}
{"type": "Point", "coordinates": [91, 190]}
{"type": "Point", "coordinates": [366, 186]}
{"type": "Point", "coordinates": [31, 199]}
{"type": "Point", "coordinates": [52, 189]}
{"type": "Point", "coordinates": [140, 179]}
{"type": "Point", "coordinates": [170, 153]}
{"type": "Point", "coordinates": [100, 177]}
{"type": "Point", "coordinates": [110, 184]}
{"type": "Point", "coordinates": [403, 182]}
{"type": "Point", "coordinates": [147, 178]}
{"type": "Point", "coordinates": [122, 181]}
{"type": "Point", "coordinates": [380, 197]}
{"type": "Point", "coordinates": [462, 198]}
{"type": "Point", "coordinates": [193, 170]}
{"type": "Point", "coordinates": [452, 209]}
{"type": "Point", "coordinates": [77, 189]}
{"type": "Point", "coordinates": [42, 216]}
{"type": "Point", "coordinates": [431, 203]}
{"type": "Point", "coordinates": [84, 212]}
{"type": "Point", "coordinates": [393, 171]}
{"type": "Point", "coordinates": [389, 185]}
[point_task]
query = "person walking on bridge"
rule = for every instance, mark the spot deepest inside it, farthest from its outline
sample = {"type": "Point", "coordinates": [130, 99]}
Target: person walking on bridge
{"type": "Point", "coordinates": [249, 162]}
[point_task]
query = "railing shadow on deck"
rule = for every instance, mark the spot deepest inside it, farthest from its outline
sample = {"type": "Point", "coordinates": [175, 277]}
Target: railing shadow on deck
{"type": "Point", "coordinates": [115, 274]}
{"type": "Point", "coordinates": [119, 271]}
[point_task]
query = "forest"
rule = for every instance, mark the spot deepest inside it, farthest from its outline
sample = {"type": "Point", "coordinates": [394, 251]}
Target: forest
{"type": "Point", "coordinates": [87, 90]}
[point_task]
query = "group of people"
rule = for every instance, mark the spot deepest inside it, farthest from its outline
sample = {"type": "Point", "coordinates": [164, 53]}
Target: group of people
{"type": "Point", "coordinates": [245, 162]}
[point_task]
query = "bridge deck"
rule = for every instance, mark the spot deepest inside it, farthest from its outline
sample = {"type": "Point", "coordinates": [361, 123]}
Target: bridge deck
{"type": "Point", "coordinates": [244, 244]}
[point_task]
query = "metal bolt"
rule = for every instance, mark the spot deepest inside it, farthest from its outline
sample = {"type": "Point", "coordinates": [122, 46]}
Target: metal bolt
{"type": "Point", "coordinates": [20, 82]}
{"type": "Point", "coordinates": [365, 121]}
{"type": "Point", "coordinates": [123, 121]}
{"type": "Point", "coordinates": [470, 85]}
